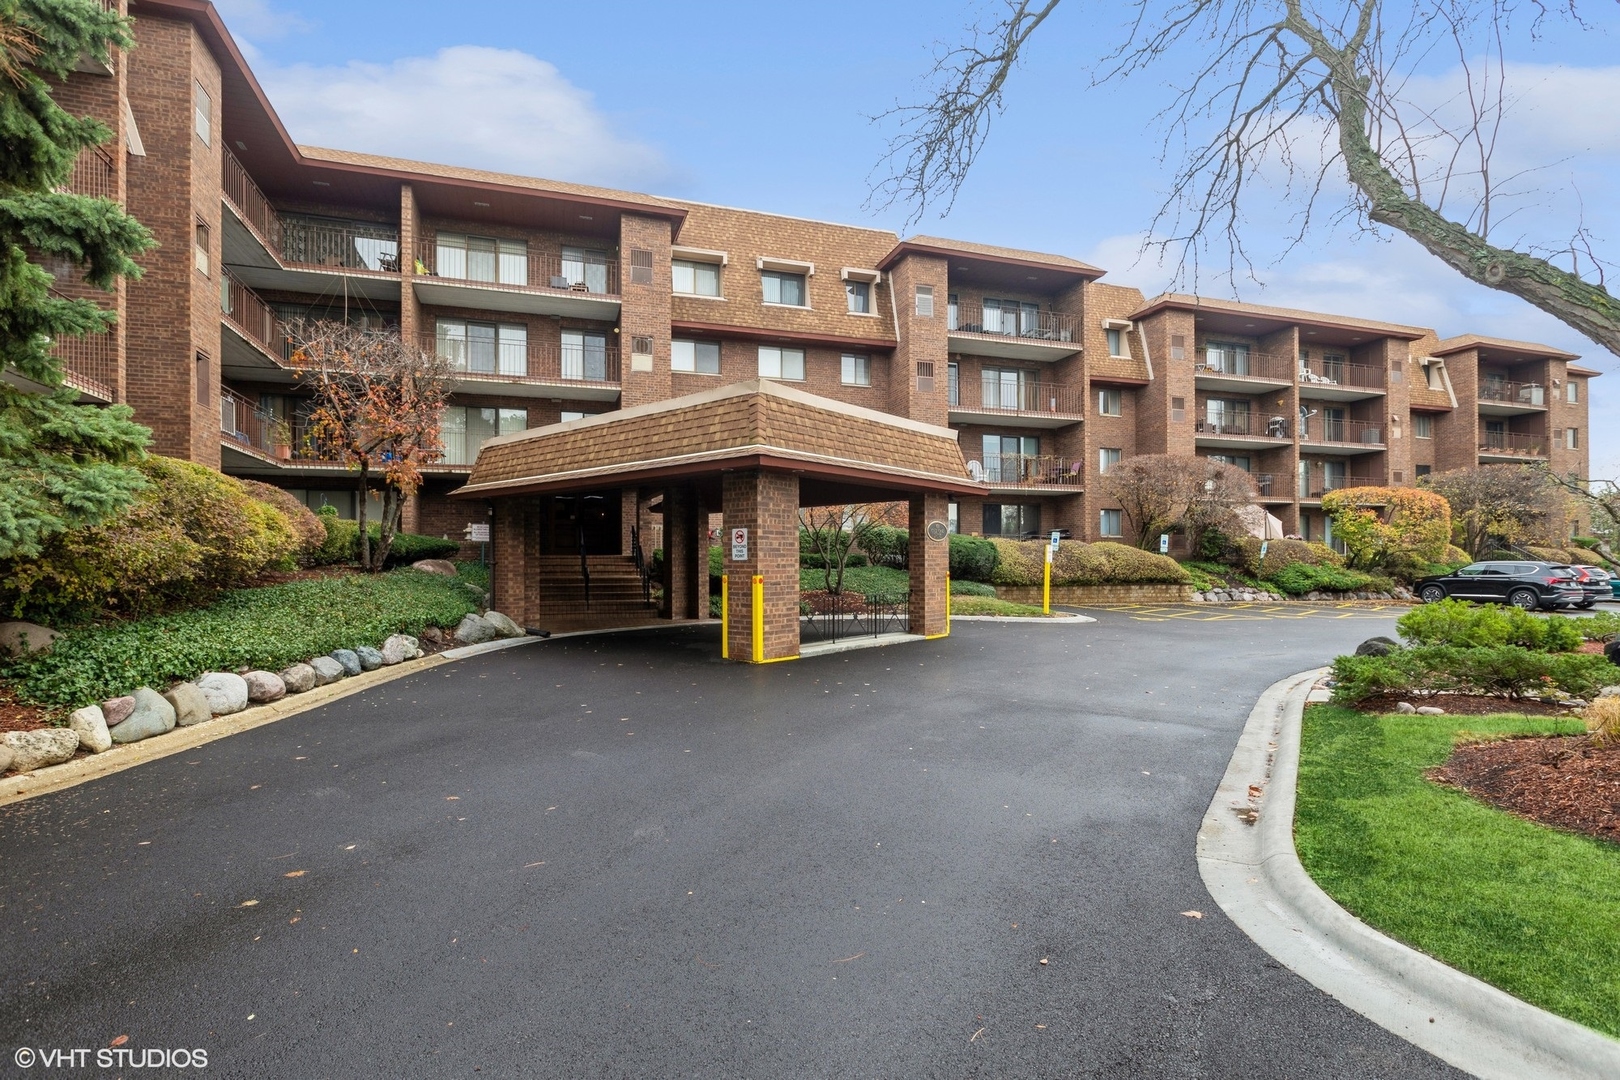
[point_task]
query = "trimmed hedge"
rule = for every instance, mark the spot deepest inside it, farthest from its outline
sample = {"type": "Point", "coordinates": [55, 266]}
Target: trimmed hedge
{"type": "Point", "coordinates": [1281, 554]}
{"type": "Point", "coordinates": [263, 628]}
{"type": "Point", "coordinates": [971, 588]}
{"type": "Point", "coordinates": [972, 558]}
{"type": "Point", "coordinates": [343, 543]}
{"type": "Point", "coordinates": [1297, 579]}
{"type": "Point", "coordinates": [306, 527]}
{"type": "Point", "coordinates": [1497, 671]}
{"type": "Point", "coordinates": [886, 545]}
{"type": "Point", "coordinates": [1464, 625]}
{"type": "Point", "coordinates": [1020, 562]}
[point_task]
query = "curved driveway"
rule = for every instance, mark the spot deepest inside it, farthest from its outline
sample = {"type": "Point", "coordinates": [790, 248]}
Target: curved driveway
{"type": "Point", "coordinates": [618, 856]}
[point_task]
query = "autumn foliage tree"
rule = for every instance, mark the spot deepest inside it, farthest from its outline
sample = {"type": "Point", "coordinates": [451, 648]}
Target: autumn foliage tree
{"type": "Point", "coordinates": [1492, 505]}
{"type": "Point", "coordinates": [378, 403]}
{"type": "Point", "coordinates": [1161, 493]}
{"type": "Point", "coordinates": [1381, 526]}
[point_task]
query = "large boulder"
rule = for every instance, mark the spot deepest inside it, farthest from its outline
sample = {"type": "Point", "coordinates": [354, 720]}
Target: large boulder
{"type": "Point", "coordinates": [117, 710]}
{"type": "Point", "coordinates": [503, 626]}
{"type": "Point", "coordinates": [443, 567]}
{"type": "Point", "coordinates": [348, 660]}
{"type": "Point", "coordinates": [152, 715]}
{"type": "Point", "coordinates": [1430, 710]}
{"type": "Point", "coordinates": [398, 648]}
{"type": "Point", "coordinates": [327, 670]}
{"type": "Point", "coordinates": [298, 678]}
{"type": "Point", "coordinates": [36, 749]}
{"type": "Point", "coordinates": [19, 638]}
{"type": "Point", "coordinates": [91, 727]}
{"type": "Point", "coordinates": [6, 757]}
{"type": "Point", "coordinates": [190, 704]}
{"type": "Point", "coordinates": [1377, 646]}
{"type": "Point", "coordinates": [226, 691]}
{"type": "Point", "coordinates": [264, 686]}
{"type": "Point", "coordinates": [473, 630]}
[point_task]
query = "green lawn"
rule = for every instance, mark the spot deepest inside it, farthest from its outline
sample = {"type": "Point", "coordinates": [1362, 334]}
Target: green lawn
{"type": "Point", "coordinates": [1529, 909]}
{"type": "Point", "coordinates": [861, 579]}
{"type": "Point", "coordinates": [990, 605]}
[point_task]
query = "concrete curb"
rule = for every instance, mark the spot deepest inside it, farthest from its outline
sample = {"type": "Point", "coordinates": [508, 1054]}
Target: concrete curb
{"type": "Point", "coordinates": [1058, 618]}
{"type": "Point", "coordinates": [1254, 874]}
{"type": "Point", "coordinates": [126, 756]}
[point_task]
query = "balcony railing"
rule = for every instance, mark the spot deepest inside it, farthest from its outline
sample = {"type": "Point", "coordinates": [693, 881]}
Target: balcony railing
{"type": "Point", "coordinates": [1031, 470]}
{"type": "Point", "coordinates": [1012, 321]}
{"type": "Point", "coordinates": [1512, 442]}
{"type": "Point", "coordinates": [1336, 372]}
{"type": "Point", "coordinates": [1512, 393]}
{"type": "Point", "coordinates": [94, 173]}
{"type": "Point", "coordinates": [998, 396]}
{"type": "Point", "coordinates": [526, 271]}
{"type": "Point", "coordinates": [534, 362]}
{"type": "Point", "coordinates": [93, 356]}
{"type": "Point", "coordinates": [1319, 481]}
{"type": "Point", "coordinates": [1228, 364]}
{"type": "Point", "coordinates": [339, 245]}
{"type": "Point", "coordinates": [1320, 429]}
{"type": "Point", "coordinates": [249, 201]}
{"type": "Point", "coordinates": [250, 315]}
{"type": "Point", "coordinates": [1264, 482]}
{"type": "Point", "coordinates": [1271, 427]}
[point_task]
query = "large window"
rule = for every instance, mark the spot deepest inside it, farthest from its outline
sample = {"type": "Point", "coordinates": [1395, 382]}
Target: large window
{"type": "Point", "coordinates": [1012, 519]}
{"type": "Point", "coordinates": [695, 278]}
{"type": "Point", "coordinates": [464, 428]}
{"type": "Point", "coordinates": [857, 370]}
{"type": "Point", "coordinates": [1227, 357]}
{"type": "Point", "coordinates": [1241, 461]}
{"type": "Point", "coordinates": [584, 356]}
{"type": "Point", "coordinates": [1107, 458]}
{"type": "Point", "coordinates": [698, 357]}
{"type": "Point", "coordinates": [1013, 317]}
{"type": "Point", "coordinates": [1110, 402]}
{"type": "Point", "coordinates": [484, 348]}
{"type": "Point", "coordinates": [1007, 388]}
{"type": "Point", "coordinates": [1111, 522]}
{"type": "Point", "coordinates": [859, 295]}
{"type": "Point", "coordinates": [783, 288]}
{"type": "Point", "coordinates": [583, 267]}
{"type": "Point", "coordinates": [1228, 416]}
{"type": "Point", "coordinates": [1422, 426]}
{"type": "Point", "coordinates": [482, 258]}
{"type": "Point", "coordinates": [1010, 459]}
{"type": "Point", "coordinates": [1117, 345]}
{"type": "Point", "coordinates": [775, 363]}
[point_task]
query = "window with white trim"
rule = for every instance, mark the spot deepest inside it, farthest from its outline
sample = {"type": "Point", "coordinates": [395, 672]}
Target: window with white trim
{"type": "Point", "coordinates": [784, 288]}
{"type": "Point", "coordinates": [1111, 522]}
{"type": "Point", "coordinates": [1572, 438]}
{"type": "Point", "coordinates": [925, 302]}
{"type": "Point", "coordinates": [1118, 346]}
{"type": "Point", "coordinates": [859, 296]}
{"type": "Point", "coordinates": [695, 278]}
{"type": "Point", "coordinates": [202, 109]}
{"type": "Point", "coordinates": [1432, 373]}
{"type": "Point", "coordinates": [779, 363]}
{"type": "Point", "coordinates": [1110, 402]}
{"type": "Point", "coordinates": [1572, 392]}
{"type": "Point", "coordinates": [697, 357]}
{"type": "Point", "coordinates": [200, 246]}
{"type": "Point", "coordinates": [857, 370]}
{"type": "Point", "coordinates": [465, 428]}
{"type": "Point", "coordinates": [484, 348]}
{"type": "Point", "coordinates": [584, 356]}
{"type": "Point", "coordinates": [1107, 458]}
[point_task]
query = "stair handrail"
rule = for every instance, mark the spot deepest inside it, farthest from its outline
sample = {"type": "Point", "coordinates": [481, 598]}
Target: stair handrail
{"type": "Point", "coordinates": [584, 568]}
{"type": "Point", "coordinates": [643, 564]}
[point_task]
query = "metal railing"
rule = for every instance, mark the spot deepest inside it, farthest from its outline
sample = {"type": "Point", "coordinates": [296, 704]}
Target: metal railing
{"type": "Point", "coordinates": [1264, 482]}
{"type": "Point", "coordinates": [244, 309]}
{"type": "Point", "coordinates": [1030, 470]}
{"type": "Point", "coordinates": [533, 362]}
{"type": "Point", "coordinates": [1272, 427]}
{"type": "Point", "coordinates": [998, 396]}
{"type": "Point", "coordinates": [1512, 442]}
{"type": "Point", "coordinates": [94, 173]}
{"type": "Point", "coordinates": [1229, 364]}
{"type": "Point", "coordinates": [349, 245]}
{"type": "Point", "coordinates": [1512, 393]}
{"type": "Point", "coordinates": [1013, 321]}
{"type": "Point", "coordinates": [1323, 429]}
{"type": "Point", "coordinates": [531, 271]}
{"type": "Point", "coordinates": [93, 357]}
{"type": "Point", "coordinates": [848, 615]}
{"type": "Point", "coordinates": [249, 202]}
{"type": "Point", "coordinates": [1326, 371]}
{"type": "Point", "coordinates": [1318, 481]}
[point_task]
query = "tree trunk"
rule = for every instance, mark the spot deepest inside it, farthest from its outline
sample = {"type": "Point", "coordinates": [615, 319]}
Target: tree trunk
{"type": "Point", "coordinates": [393, 506]}
{"type": "Point", "coordinates": [360, 515]}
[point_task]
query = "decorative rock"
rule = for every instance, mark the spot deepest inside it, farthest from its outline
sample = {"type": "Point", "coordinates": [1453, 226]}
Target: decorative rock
{"type": "Point", "coordinates": [91, 726]}
{"type": "Point", "coordinates": [370, 659]}
{"type": "Point", "coordinates": [1609, 691]}
{"type": "Point", "coordinates": [399, 647]}
{"type": "Point", "coordinates": [327, 670]}
{"type": "Point", "coordinates": [1405, 708]}
{"type": "Point", "coordinates": [226, 691]}
{"type": "Point", "coordinates": [116, 710]}
{"type": "Point", "coordinates": [22, 638]}
{"type": "Point", "coordinates": [264, 686]}
{"type": "Point", "coordinates": [347, 658]}
{"type": "Point", "coordinates": [36, 749]}
{"type": "Point", "coordinates": [153, 715]}
{"type": "Point", "coordinates": [190, 704]}
{"type": "Point", "coordinates": [443, 567]}
{"type": "Point", "coordinates": [433, 634]}
{"type": "Point", "coordinates": [503, 626]}
{"type": "Point", "coordinates": [472, 630]}
{"type": "Point", "coordinates": [298, 679]}
{"type": "Point", "coordinates": [1377, 646]}
{"type": "Point", "coordinates": [6, 757]}
{"type": "Point", "coordinates": [1431, 710]}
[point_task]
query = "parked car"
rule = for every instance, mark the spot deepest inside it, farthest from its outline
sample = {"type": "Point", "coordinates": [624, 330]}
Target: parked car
{"type": "Point", "coordinates": [1525, 584]}
{"type": "Point", "coordinates": [1594, 582]}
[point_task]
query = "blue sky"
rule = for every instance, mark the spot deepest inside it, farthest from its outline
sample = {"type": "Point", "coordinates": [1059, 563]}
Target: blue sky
{"type": "Point", "coordinates": [765, 106]}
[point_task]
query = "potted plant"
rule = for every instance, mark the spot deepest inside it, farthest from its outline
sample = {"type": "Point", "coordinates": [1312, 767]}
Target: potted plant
{"type": "Point", "coordinates": [281, 440]}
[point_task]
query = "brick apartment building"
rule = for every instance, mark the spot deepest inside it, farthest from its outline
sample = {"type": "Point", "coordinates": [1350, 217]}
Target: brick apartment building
{"type": "Point", "coordinates": [558, 301]}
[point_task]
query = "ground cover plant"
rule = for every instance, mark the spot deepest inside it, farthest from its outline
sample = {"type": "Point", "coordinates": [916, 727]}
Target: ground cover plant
{"type": "Point", "coordinates": [989, 605]}
{"type": "Point", "coordinates": [1526, 908]}
{"type": "Point", "coordinates": [265, 628]}
{"type": "Point", "coordinates": [866, 580]}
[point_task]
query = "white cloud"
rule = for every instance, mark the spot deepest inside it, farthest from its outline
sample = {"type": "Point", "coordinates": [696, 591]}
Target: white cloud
{"type": "Point", "coordinates": [468, 105]}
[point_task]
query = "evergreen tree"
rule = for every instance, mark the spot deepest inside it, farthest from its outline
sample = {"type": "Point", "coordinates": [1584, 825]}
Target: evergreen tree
{"type": "Point", "coordinates": [61, 465]}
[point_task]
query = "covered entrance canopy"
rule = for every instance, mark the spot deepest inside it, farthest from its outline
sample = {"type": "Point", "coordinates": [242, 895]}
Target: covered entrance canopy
{"type": "Point", "coordinates": [754, 451]}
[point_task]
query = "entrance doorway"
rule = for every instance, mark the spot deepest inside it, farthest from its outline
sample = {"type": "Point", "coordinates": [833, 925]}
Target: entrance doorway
{"type": "Point", "coordinates": [585, 524]}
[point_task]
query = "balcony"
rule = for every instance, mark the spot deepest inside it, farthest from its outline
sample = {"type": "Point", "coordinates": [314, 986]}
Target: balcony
{"type": "Point", "coordinates": [1036, 405]}
{"type": "Point", "coordinates": [1016, 333]}
{"type": "Point", "coordinates": [1503, 397]}
{"type": "Point", "coordinates": [94, 173]}
{"type": "Point", "coordinates": [255, 345]}
{"type": "Point", "coordinates": [1270, 488]}
{"type": "Point", "coordinates": [1241, 372]}
{"type": "Point", "coordinates": [256, 443]}
{"type": "Point", "coordinates": [535, 369]}
{"type": "Point", "coordinates": [1318, 481]}
{"type": "Point", "coordinates": [1336, 379]}
{"type": "Point", "coordinates": [581, 286]}
{"type": "Point", "coordinates": [1026, 471]}
{"type": "Point", "coordinates": [1240, 431]}
{"type": "Point", "coordinates": [1341, 436]}
{"type": "Point", "coordinates": [1511, 446]}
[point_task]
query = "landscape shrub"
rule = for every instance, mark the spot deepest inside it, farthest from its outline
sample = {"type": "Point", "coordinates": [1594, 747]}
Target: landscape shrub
{"type": "Point", "coordinates": [885, 545]}
{"type": "Point", "coordinates": [1297, 579]}
{"type": "Point", "coordinates": [1020, 562]}
{"type": "Point", "coordinates": [810, 560]}
{"type": "Point", "coordinates": [1599, 626]}
{"type": "Point", "coordinates": [717, 561]}
{"type": "Point", "coordinates": [413, 547]}
{"type": "Point", "coordinates": [263, 628]}
{"type": "Point", "coordinates": [972, 558]}
{"type": "Point", "coordinates": [1603, 718]}
{"type": "Point", "coordinates": [971, 588]}
{"type": "Point", "coordinates": [1245, 555]}
{"type": "Point", "coordinates": [307, 529]}
{"type": "Point", "coordinates": [341, 535]}
{"type": "Point", "coordinates": [1506, 671]}
{"type": "Point", "coordinates": [343, 543]}
{"type": "Point", "coordinates": [1465, 625]}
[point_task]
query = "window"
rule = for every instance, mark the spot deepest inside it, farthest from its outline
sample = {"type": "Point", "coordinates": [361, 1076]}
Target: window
{"type": "Point", "coordinates": [1178, 347]}
{"type": "Point", "coordinates": [1178, 410]}
{"type": "Point", "coordinates": [573, 414]}
{"type": "Point", "coordinates": [1117, 345]}
{"type": "Point", "coordinates": [1572, 392]}
{"type": "Point", "coordinates": [482, 258]}
{"type": "Point", "coordinates": [775, 363]}
{"type": "Point", "coordinates": [1110, 402]}
{"type": "Point", "coordinates": [203, 115]}
{"type": "Point", "coordinates": [859, 295]}
{"type": "Point", "coordinates": [200, 247]}
{"type": "Point", "coordinates": [1010, 459]}
{"type": "Point", "coordinates": [925, 376]}
{"type": "Point", "coordinates": [1227, 357]}
{"type": "Point", "coordinates": [203, 379]}
{"type": "Point", "coordinates": [1111, 523]}
{"type": "Point", "coordinates": [696, 278]}
{"type": "Point", "coordinates": [484, 348]}
{"type": "Point", "coordinates": [1421, 471]}
{"type": "Point", "coordinates": [641, 266]}
{"type": "Point", "coordinates": [1432, 374]}
{"type": "Point", "coordinates": [857, 370]}
{"type": "Point", "coordinates": [698, 357]}
{"type": "Point", "coordinates": [1422, 426]}
{"type": "Point", "coordinates": [1014, 318]}
{"type": "Point", "coordinates": [925, 301]}
{"type": "Point", "coordinates": [583, 267]}
{"type": "Point", "coordinates": [1572, 438]}
{"type": "Point", "coordinates": [953, 384]}
{"type": "Point", "coordinates": [1107, 458]}
{"type": "Point", "coordinates": [953, 519]}
{"type": "Point", "coordinates": [1012, 519]}
{"type": "Point", "coordinates": [1007, 388]}
{"type": "Point", "coordinates": [1241, 461]}
{"type": "Point", "coordinates": [464, 428]}
{"type": "Point", "coordinates": [1224, 415]}
{"type": "Point", "coordinates": [641, 344]}
{"type": "Point", "coordinates": [951, 309]}
{"type": "Point", "coordinates": [584, 356]}
{"type": "Point", "coordinates": [782, 288]}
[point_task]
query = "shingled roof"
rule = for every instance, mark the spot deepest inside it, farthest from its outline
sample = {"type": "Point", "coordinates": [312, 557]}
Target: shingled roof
{"type": "Point", "coordinates": [748, 424]}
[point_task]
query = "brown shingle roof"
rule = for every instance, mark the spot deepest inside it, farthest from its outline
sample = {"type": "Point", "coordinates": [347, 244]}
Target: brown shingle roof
{"type": "Point", "coordinates": [1292, 315]}
{"type": "Point", "coordinates": [1481, 341]}
{"type": "Point", "coordinates": [941, 245]}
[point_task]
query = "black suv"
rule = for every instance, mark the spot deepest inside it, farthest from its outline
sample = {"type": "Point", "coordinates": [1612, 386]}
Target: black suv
{"type": "Point", "coordinates": [1525, 584]}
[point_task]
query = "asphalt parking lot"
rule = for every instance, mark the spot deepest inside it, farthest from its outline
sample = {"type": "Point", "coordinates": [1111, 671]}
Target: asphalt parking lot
{"type": "Point", "coordinates": [619, 856]}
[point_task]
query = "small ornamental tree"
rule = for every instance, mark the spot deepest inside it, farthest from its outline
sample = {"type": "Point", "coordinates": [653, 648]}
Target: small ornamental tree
{"type": "Point", "coordinates": [832, 533]}
{"type": "Point", "coordinates": [1159, 493]}
{"type": "Point", "coordinates": [1492, 505]}
{"type": "Point", "coordinates": [379, 401]}
{"type": "Point", "coordinates": [1379, 525]}
{"type": "Point", "coordinates": [62, 465]}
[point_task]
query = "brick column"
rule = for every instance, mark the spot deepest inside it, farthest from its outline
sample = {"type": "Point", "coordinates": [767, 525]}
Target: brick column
{"type": "Point", "coordinates": [767, 505]}
{"type": "Point", "coordinates": [929, 561]}
{"type": "Point", "coordinates": [681, 550]}
{"type": "Point", "coordinates": [513, 536]}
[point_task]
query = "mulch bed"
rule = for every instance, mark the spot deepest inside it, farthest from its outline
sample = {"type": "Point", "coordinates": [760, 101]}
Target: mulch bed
{"type": "Point", "coordinates": [1565, 781]}
{"type": "Point", "coordinates": [822, 602]}
{"type": "Point", "coordinates": [16, 716]}
{"type": "Point", "coordinates": [1463, 704]}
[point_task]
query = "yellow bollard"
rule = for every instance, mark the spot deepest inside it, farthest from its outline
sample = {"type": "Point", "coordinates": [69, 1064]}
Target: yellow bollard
{"type": "Point", "coordinates": [1046, 585]}
{"type": "Point", "coordinates": [759, 619]}
{"type": "Point", "coordinates": [725, 616]}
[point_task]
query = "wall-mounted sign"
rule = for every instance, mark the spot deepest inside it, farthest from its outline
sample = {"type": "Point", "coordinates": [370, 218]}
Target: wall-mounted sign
{"type": "Point", "coordinates": [938, 531]}
{"type": "Point", "coordinates": [739, 545]}
{"type": "Point", "coordinates": [478, 532]}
